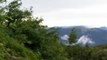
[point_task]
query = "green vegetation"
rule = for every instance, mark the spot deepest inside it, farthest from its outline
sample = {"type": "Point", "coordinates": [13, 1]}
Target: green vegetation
{"type": "Point", "coordinates": [23, 37]}
{"type": "Point", "coordinates": [72, 36]}
{"type": "Point", "coordinates": [87, 53]}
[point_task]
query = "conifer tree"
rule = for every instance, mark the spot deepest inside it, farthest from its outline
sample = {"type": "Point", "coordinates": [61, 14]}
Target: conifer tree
{"type": "Point", "coordinates": [72, 36]}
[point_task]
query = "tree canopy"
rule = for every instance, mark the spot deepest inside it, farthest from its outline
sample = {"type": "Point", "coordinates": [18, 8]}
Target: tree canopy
{"type": "Point", "coordinates": [72, 36]}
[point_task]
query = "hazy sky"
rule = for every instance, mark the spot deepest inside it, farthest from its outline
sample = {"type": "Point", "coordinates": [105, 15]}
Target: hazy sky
{"type": "Point", "coordinates": [70, 12]}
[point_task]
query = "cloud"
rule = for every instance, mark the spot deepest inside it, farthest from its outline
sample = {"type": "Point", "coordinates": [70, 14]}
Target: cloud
{"type": "Point", "coordinates": [70, 12]}
{"type": "Point", "coordinates": [94, 16]}
{"type": "Point", "coordinates": [64, 37]}
{"type": "Point", "coordinates": [84, 40]}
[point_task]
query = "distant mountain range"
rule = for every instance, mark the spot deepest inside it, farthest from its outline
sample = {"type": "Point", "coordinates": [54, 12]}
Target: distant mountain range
{"type": "Point", "coordinates": [85, 35]}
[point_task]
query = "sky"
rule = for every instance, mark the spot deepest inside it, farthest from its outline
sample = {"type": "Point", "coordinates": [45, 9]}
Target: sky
{"type": "Point", "coordinates": [92, 13]}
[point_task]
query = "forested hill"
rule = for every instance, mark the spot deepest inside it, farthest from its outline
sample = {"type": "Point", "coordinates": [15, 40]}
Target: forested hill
{"type": "Point", "coordinates": [97, 35]}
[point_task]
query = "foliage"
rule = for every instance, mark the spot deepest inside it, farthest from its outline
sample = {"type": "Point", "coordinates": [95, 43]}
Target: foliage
{"type": "Point", "coordinates": [25, 38]}
{"type": "Point", "coordinates": [86, 53]}
{"type": "Point", "coordinates": [12, 50]}
{"type": "Point", "coordinates": [72, 36]}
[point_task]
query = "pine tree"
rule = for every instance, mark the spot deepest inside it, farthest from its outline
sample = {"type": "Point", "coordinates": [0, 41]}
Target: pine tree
{"type": "Point", "coordinates": [72, 36]}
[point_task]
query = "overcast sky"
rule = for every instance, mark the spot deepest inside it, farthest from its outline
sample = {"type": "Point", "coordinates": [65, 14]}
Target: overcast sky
{"type": "Point", "coordinates": [91, 13]}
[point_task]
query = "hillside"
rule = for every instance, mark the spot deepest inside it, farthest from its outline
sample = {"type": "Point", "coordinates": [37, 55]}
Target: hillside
{"type": "Point", "coordinates": [97, 35]}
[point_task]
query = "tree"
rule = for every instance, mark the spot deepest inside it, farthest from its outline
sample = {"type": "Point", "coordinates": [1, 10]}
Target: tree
{"type": "Point", "coordinates": [26, 38]}
{"type": "Point", "coordinates": [14, 14]}
{"type": "Point", "coordinates": [72, 36]}
{"type": "Point", "coordinates": [1, 1]}
{"type": "Point", "coordinates": [40, 39]}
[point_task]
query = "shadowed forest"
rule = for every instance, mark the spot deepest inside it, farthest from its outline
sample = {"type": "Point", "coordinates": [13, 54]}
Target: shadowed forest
{"type": "Point", "coordinates": [23, 37]}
